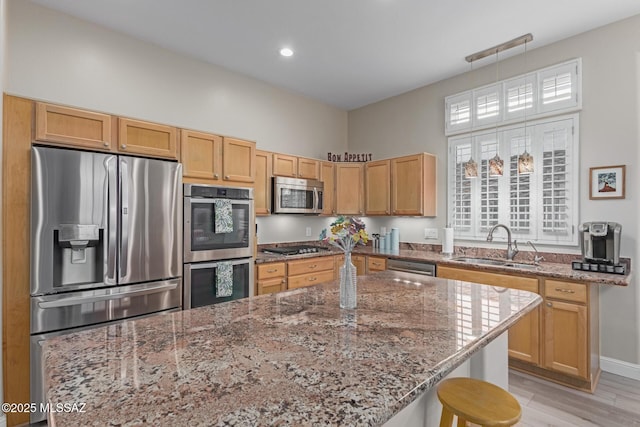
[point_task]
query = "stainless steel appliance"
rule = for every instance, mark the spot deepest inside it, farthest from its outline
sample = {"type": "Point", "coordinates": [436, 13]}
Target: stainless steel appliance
{"type": "Point", "coordinates": [298, 196]}
{"type": "Point", "coordinates": [295, 250]}
{"type": "Point", "coordinates": [106, 243]}
{"type": "Point", "coordinates": [207, 249]}
{"type": "Point", "coordinates": [600, 246]}
{"type": "Point", "coordinates": [416, 267]}
{"type": "Point", "coordinates": [201, 242]}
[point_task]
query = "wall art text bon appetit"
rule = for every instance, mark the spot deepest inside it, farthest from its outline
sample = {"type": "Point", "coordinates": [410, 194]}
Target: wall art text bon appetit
{"type": "Point", "coordinates": [349, 157]}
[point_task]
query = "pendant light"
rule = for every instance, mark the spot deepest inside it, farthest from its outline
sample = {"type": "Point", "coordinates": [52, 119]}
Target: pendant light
{"type": "Point", "coordinates": [496, 164]}
{"type": "Point", "coordinates": [525, 160]}
{"type": "Point", "coordinates": [470, 166]}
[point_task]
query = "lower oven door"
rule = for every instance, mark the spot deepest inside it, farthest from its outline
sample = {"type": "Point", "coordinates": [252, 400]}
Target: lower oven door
{"type": "Point", "coordinates": [202, 285]}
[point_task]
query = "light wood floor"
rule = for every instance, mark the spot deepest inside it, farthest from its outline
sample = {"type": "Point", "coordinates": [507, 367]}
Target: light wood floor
{"type": "Point", "coordinates": [616, 402]}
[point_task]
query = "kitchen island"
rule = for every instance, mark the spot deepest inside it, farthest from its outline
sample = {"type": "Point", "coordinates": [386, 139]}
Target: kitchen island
{"type": "Point", "coordinates": [291, 358]}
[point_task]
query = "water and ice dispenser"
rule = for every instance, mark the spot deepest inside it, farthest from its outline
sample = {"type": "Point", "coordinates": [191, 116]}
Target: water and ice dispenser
{"type": "Point", "coordinates": [78, 254]}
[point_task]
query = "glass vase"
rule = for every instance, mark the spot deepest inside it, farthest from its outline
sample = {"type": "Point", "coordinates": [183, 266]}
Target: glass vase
{"type": "Point", "coordinates": [348, 283]}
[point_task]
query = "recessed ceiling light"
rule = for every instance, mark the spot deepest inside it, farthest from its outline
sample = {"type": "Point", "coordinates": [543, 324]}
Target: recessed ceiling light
{"type": "Point", "coordinates": [285, 51]}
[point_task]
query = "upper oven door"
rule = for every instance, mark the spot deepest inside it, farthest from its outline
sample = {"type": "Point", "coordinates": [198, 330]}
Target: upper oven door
{"type": "Point", "coordinates": [202, 242]}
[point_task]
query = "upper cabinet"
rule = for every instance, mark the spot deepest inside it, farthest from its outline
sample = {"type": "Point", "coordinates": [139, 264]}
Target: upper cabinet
{"type": "Point", "coordinates": [295, 167]}
{"type": "Point", "coordinates": [377, 177]}
{"type": "Point", "coordinates": [212, 159]}
{"type": "Point", "coordinates": [201, 155]}
{"type": "Point", "coordinates": [73, 127]}
{"type": "Point", "coordinates": [413, 185]}
{"type": "Point", "coordinates": [147, 139]}
{"type": "Point", "coordinates": [349, 188]}
{"type": "Point", "coordinates": [328, 177]}
{"type": "Point", "coordinates": [262, 188]}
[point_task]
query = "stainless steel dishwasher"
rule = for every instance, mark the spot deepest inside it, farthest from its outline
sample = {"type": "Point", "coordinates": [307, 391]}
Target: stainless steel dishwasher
{"type": "Point", "coordinates": [417, 267]}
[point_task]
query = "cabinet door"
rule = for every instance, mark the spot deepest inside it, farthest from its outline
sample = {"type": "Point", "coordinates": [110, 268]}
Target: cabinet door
{"type": "Point", "coordinates": [413, 190]}
{"type": "Point", "coordinates": [270, 270]}
{"type": "Point", "coordinates": [377, 183]}
{"type": "Point", "coordinates": [360, 261]}
{"type": "Point", "coordinates": [303, 280]}
{"type": "Point", "coordinates": [327, 175]}
{"type": "Point", "coordinates": [284, 165]}
{"type": "Point", "coordinates": [238, 160]}
{"type": "Point", "coordinates": [201, 155]}
{"type": "Point", "coordinates": [349, 188]}
{"type": "Point", "coordinates": [565, 338]}
{"type": "Point", "coordinates": [375, 263]}
{"type": "Point", "coordinates": [73, 127]}
{"type": "Point", "coordinates": [262, 188]}
{"type": "Point", "coordinates": [524, 338]}
{"type": "Point", "coordinates": [308, 168]}
{"type": "Point", "coordinates": [147, 139]}
{"type": "Point", "coordinates": [310, 265]}
{"type": "Point", "coordinates": [270, 286]}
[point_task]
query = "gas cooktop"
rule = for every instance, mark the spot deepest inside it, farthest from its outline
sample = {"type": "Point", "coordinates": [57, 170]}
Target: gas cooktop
{"type": "Point", "coordinates": [295, 250]}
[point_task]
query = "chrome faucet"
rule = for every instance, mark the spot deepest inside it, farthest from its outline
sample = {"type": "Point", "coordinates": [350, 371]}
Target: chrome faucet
{"type": "Point", "coordinates": [511, 251]}
{"type": "Point", "coordinates": [536, 258]}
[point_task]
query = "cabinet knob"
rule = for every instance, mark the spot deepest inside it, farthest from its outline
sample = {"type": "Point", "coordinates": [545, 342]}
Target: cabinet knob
{"type": "Point", "coordinates": [216, 176]}
{"type": "Point", "coordinates": [268, 210]}
{"type": "Point", "coordinates": [284, 281]}
{"type": "Point", "coordinates": [549, 304]}
{"type": "Point", "coordinates": [123, 146]}
{"type": "Point", "coordinates": [226, 177]}
{"type": "Point", "coordinates": [106, 144]}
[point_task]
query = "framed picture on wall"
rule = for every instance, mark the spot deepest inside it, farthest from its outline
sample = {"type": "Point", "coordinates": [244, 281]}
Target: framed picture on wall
{"type": "Point", "coordinates": [606, 182]}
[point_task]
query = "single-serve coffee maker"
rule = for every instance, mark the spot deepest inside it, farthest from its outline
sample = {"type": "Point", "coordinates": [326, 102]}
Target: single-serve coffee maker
{"type": "Point", "coordinates": [600, 245]}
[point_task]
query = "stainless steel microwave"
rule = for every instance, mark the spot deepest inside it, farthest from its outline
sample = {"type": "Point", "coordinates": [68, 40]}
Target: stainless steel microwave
{"type": "Point", "coordinates": [297, 196]}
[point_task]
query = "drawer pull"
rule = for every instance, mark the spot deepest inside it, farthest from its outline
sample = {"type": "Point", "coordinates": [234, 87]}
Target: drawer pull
{"type": "Point", "coordinates": [313, 279]}
{"type": "Point", "coordinates": [376, 264]}
{"type": "Point", "coordinates": [313, 266]}
{"type": "Point", "coordinates": [549, 304]}
{"type": "Point", "coordinates": [565, 291]}
{"type": "Point", "coordinates": [272, 271]}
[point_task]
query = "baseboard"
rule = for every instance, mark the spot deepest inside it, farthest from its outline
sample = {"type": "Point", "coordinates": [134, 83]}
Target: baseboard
{"type": "Point", "coordinates": [620, 367]}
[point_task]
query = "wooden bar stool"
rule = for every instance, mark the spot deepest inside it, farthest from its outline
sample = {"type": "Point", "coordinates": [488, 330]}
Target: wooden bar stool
{"type": "Point", "coordinates": [478, 402]}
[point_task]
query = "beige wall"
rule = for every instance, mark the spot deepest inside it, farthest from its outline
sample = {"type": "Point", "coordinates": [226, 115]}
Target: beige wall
{"type": "Point", "coordinates": [609, 135]}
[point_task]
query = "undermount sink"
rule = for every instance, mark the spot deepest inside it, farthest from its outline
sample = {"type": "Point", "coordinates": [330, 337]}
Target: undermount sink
{"type": "Point", "coordinates": [493, 261]}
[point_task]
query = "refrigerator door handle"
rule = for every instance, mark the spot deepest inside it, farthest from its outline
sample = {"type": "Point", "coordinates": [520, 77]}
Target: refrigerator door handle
{"type": "Point", "coordinates": [66, 302]}
{"type": "Point", "coordinates": [112, 219]}
{"type": "Point", "coordinates": [124, 215]}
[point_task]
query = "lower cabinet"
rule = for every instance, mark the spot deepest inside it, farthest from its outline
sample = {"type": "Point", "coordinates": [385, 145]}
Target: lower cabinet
{"type": "Point", "coordinates": [309, 271]}
{"type": "Point", "coordinates": [559, 340]}
{"type": "Point", "coordinates": [375, 264]}
{"type": "Point", "coordinates": [270, 278]}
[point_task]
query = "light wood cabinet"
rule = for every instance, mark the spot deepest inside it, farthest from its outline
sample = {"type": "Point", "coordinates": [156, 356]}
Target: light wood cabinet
{"type": "Point", "coordinates": [295, 167]}
{"type": "Point", "coordinates": [270, 278]}
{"type": "Point", "coordinates": [559, 340]}
{"type": "Point", "coordinates": [308, 168]}
{"type": "Point", "coordinates": [327, 176]}
{"type": "Point", "coordinates": [359, 261]}
{"type": "Point", "coordinates": [566, 329]}
{"type": "Point", "coordinates": [201, 155]}
{"type": "Point", "coordinates": [238, 161]}
{"type": "Point", "coordinates": [349, 188]}
{"type": "Point", "coordinates": [524, 336]}
{"type": "Point", "coordinates": [413, 185]}
{"type": "Point", "coordinates": [375, 264]}
{"type": "Point", "coordinates": [213, 159]}
{"type": "Point", "coordinates": [262, 189]}
{"type": "Point", "coordinates": [310, 271]}
{"type": "Point", "coordinates": [147, 139]}
{"type": "Point", "coordinates": [73, 127]}
{"type": "Point", "coordinates": [377, 182]}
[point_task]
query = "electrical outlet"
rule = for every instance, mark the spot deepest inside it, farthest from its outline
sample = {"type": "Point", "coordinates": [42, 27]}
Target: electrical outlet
{"type": "Point", "coordinates": [430, 233]}
{"type": "Point", "coordinates": [308, 232]}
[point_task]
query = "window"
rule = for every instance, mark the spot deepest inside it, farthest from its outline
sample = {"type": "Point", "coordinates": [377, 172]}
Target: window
{"type": "Point", "coordinates": [542, 93]}
{"type": "Point", "coordinates": [541, 206]}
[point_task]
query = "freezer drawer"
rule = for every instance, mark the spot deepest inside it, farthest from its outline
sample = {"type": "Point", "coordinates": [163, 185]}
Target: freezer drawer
{"type": "Point", "coordinates": [74, 309]}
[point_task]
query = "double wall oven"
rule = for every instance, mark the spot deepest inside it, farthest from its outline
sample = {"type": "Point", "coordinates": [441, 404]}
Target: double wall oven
{"type": "Point", "coordinates": [219, 233]}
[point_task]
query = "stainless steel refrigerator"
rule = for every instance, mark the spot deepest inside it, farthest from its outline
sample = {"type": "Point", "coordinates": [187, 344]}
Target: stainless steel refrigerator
{"type": "Point", "coordinates": [106, 243]}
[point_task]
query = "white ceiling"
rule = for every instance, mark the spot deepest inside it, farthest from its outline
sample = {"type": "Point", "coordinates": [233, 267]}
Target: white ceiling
{"type": "Point", "coordinates": [348, 53]}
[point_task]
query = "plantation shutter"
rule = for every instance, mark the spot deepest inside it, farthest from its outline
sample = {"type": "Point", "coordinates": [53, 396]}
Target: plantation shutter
{"type": "Point", "coordinates": [520, 186]}
{"type": "Point", "coordinates": [558, 88]}
{"type": "Point", "coordinates": [489, 186]}
{"type": "Point", "coordinates": [460, 195]}
{"type": "Point", "coordinates": [487, 105]}
{"type": "Point", "coordinates": [458, 112]}
{"type": "Point", "coordinates": [519, 97]}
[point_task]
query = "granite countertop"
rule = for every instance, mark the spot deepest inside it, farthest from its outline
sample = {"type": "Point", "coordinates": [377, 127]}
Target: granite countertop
{"type": "Point", "coordinates": [289, 358]}
{"type": "Point", "coordinates": [559, 268]}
